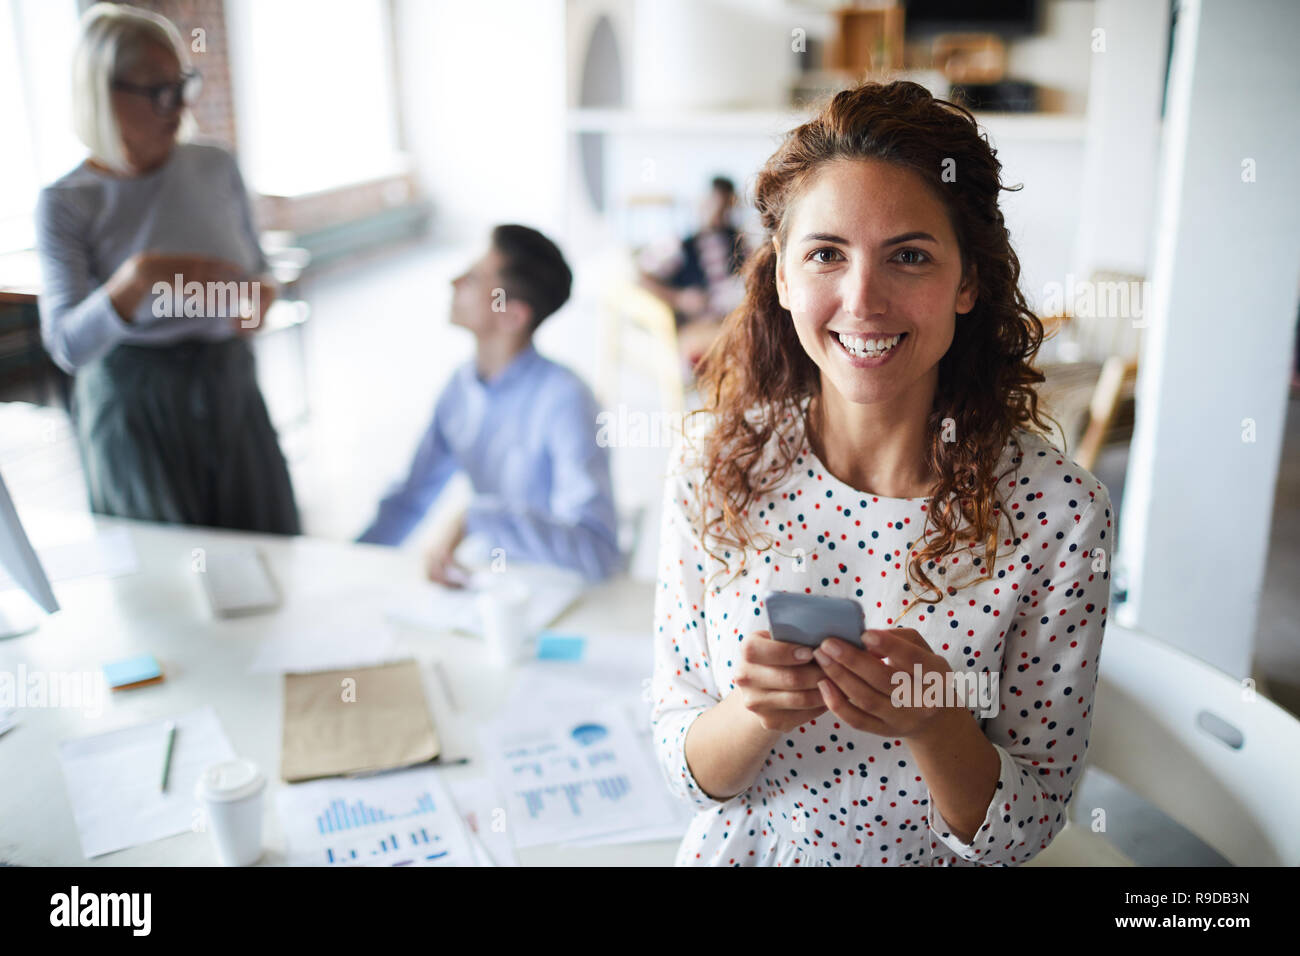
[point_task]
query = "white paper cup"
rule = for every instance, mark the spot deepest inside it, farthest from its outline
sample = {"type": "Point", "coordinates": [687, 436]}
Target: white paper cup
{"type": "Point", "coordinates": [503, 610]}
{"type": "Point", "coordinates": [231, 796]}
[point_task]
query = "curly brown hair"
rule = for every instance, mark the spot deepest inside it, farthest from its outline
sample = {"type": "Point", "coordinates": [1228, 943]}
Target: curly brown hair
{"type": "Point", "coordinates": [757, 372]}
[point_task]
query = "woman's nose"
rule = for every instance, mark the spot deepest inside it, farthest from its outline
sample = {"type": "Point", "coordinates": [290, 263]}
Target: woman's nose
{"type": "Point", "coordinates": [863, 292]}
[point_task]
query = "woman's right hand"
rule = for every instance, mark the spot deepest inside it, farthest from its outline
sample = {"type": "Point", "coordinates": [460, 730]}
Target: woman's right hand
{"type": "Point", "coordinates": [777, 682]}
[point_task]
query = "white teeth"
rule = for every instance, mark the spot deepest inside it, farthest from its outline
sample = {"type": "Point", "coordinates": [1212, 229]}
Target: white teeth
{"type": "Point", "coordinates": [863, 348]}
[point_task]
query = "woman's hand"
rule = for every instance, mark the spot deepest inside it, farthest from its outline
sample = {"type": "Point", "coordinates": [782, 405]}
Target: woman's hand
{"type": "Point", "coordinates": [860, 684]}
{"type": "Point", "coordinates": [165, 267]}
{"type": "Point", "coordinates": [135, 278]}
{"type": "Point", "coordinates": [248, 318]}
{"type": "Point", "coordinates": [777, 682]}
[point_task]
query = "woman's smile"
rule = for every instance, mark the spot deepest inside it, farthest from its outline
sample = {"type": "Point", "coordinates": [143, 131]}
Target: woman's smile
{"type": "Point", "coordinates": [863, 352]}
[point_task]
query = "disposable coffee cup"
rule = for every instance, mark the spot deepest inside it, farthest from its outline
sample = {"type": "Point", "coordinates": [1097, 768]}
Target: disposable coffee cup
{"type": "Point", "coordinates": [503, 611]}
{"type": "Point", "coordinates": [231, 796]}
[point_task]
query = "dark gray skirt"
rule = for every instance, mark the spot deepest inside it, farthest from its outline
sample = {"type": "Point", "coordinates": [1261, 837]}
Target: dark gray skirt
{"type": "Point", "coordinates": [180, 433]}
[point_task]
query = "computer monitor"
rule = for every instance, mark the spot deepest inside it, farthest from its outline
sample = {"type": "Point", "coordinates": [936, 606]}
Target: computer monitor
{"type": "Point", "coordinates": [19, 558]}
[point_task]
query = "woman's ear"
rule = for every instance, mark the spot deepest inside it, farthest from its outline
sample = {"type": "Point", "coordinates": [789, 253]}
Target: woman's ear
{"type": "Point", "coordinates": [782, 293]}
{"type": "Point", "coordinates": [968, 291]}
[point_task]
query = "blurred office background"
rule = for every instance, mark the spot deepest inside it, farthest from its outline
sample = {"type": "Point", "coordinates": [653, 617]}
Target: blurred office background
{"type": "Point", "coordinates": [384, 138]}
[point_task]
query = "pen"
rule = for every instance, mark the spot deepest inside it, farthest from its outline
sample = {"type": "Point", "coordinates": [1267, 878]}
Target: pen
{"type": "Point", "coordinates": [167, 758]}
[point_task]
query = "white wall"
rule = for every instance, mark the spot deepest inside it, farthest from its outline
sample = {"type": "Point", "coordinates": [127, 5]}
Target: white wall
{"type": "Point", "coordinates": [482, 95]}
{"type": "Point", "coordinates": [1198, 498]}
{"type": "Point", "coordinates": [1118, 191]}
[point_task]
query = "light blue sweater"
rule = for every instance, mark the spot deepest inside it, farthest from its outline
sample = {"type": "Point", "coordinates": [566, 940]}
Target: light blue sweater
{"type": "Point", "coordinates": [88, 223]}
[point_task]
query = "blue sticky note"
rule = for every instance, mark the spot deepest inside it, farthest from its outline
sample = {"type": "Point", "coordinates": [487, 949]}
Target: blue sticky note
{"type": "Point", "coordinates": [560, 647]}
{"type": "Point", "coordinates": [132, 670]}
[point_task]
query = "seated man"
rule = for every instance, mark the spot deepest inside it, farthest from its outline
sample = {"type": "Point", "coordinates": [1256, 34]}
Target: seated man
{"type": "Point", "coordinates": [521, 426]}
{"type": "Point", "coordinates": [699, 277]}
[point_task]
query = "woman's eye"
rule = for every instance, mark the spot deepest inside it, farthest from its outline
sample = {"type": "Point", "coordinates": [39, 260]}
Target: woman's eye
{"type": "Point", "coordinates": [915, 252]}
{"type": "Point", "coordinates": [825, 251]}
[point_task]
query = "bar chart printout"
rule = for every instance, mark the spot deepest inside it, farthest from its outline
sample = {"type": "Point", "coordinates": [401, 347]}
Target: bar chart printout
{"type": "Point", "coordinates": [580, 774]}
{"type": "Point", "coordinates": [404, 818]}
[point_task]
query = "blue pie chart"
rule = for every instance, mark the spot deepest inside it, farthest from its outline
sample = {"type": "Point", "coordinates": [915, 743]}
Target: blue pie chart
{"type": "Point", "coordinates": [588, 734]}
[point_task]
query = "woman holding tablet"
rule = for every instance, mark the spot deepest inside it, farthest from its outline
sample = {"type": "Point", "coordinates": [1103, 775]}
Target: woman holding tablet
{"type": "Point", "coordinates": [152, 282]}
{"type": "Point", "coordinates": [870, 431]}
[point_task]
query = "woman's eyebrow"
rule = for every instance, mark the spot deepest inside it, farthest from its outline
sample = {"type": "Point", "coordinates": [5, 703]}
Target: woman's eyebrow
{"type": "Point", "coordinates": [905, 237]}
{"type": "Point", "coordinates": [910, 237]}
{"type": "Point", "coordinates": [824, 237]}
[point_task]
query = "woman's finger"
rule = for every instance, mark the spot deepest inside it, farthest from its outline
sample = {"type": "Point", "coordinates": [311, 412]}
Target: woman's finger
{"type": "Point", "coordinates": [843, 708]}
{"type": "Point", "coordinates": [786, 699]}
{"type": "Point", "coordinates": [860, 693]}
{"type": "Point", "coordinates": [865, 665]}
{"type": "Point", "coordinates": [802, 677]}
{"type": "Point", "coordinates": [761, 648]}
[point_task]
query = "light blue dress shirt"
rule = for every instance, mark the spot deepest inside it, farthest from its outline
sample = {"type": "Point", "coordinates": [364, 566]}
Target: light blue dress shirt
{"type": "Point", "coordinates": [527, 441]}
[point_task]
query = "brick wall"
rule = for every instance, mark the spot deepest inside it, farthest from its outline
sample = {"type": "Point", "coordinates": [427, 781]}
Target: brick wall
{"type": "Point", "coordinates": [214, 110]}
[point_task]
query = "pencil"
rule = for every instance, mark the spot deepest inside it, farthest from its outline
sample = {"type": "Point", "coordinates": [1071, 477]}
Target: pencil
{"type": "Point", "coordinates": [167, 758]}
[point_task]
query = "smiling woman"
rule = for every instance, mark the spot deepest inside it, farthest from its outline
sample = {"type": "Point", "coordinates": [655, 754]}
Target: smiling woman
{"type": "Point", "coordinates": [869, 419]}
{"type": "Point", "coordinates": [883, 220]}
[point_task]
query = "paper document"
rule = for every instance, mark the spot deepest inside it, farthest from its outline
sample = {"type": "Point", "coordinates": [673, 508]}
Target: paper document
{"type": "Point", "coordinates": [613, 671]}
{"type": "Point", "coordinates": [113, 780]}
{"type": "Point", "coordinates": [436, 608]}
{"type": "Point", "coordinates": [404, 818]}
{"type": "Point", "coordinates": [481, 808]}
{"type": "Point", "coordinates": [325, 635]}
{"type": "Point", "coordinates": [572, 772]}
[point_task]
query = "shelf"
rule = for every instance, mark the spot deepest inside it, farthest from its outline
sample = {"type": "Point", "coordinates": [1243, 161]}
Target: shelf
{"type": "Point", "coordinates": [1045, 127]}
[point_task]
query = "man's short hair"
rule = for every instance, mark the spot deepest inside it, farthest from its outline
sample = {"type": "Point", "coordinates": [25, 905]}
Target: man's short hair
{"type": "Point", "coordinates": [532, 269]}
{"type": "Point", "coordinates": [723, 184]}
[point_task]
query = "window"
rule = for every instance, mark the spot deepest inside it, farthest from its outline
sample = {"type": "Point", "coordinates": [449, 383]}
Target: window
{"type": "Point", "coordinates": [37, 38]}
{"type": "Point", "coordinates": [314, 92]}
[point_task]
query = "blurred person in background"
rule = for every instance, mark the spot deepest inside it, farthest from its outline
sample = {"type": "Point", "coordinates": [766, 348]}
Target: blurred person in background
{"type": "Point", "coordinates": [168, 415]}
{"type": "Point", "coordinates": [699, 276]}
{"type": "Point", "coordinates": [522, 427]}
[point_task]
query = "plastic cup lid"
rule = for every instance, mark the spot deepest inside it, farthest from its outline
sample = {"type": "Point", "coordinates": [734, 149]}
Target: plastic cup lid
{"type": "Point", "coordinates": [229, 780]}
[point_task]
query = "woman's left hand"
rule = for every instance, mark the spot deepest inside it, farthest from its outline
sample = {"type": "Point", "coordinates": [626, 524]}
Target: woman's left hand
{"type": "Point", "coordinates": [252, 311]}
{"type": "Point", "coordinates": [861, 685]}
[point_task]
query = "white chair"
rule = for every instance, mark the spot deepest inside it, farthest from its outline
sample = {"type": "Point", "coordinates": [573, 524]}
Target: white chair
{"type": "Point", "coordinates": [1188, 739]}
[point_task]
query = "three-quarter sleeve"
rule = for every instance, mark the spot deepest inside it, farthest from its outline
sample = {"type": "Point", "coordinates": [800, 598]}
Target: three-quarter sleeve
{"type": "Point", "coordinates": [683, 686]}
{"type": "Point", "coordinates": [1046, 689]}
{"type": "Point", "coordinates": [78, 320]}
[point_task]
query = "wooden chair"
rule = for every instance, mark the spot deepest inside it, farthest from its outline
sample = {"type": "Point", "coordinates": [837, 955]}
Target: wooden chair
{"type": "Point", "coordinates": [638, 331]}
{"type": "Point", "coordinates": [1115, 385]}
{"type": "Point", "coordinates": [638, 336]}
{"type": "Point", "coordinates": [1090, 389]}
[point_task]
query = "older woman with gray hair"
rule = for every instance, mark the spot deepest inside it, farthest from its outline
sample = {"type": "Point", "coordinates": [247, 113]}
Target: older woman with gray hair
{"type": "Point", "coordinates": [152, 282]}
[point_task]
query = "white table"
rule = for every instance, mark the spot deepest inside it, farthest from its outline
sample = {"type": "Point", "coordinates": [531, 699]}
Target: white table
{"type": "Point", "coordinates": [161, 610]}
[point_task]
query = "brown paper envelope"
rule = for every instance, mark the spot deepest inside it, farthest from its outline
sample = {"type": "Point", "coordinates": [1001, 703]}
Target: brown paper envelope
{"type": "Point", "coordinates": [377, 721]}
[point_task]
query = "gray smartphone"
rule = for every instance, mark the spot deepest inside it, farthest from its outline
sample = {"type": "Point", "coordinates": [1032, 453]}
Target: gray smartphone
{"type": "Point", "coordinates": [809, 618]}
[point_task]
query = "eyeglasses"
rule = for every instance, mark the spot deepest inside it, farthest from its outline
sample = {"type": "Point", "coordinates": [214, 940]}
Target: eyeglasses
{"type": "Point", "coordinates": [167, 97]}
